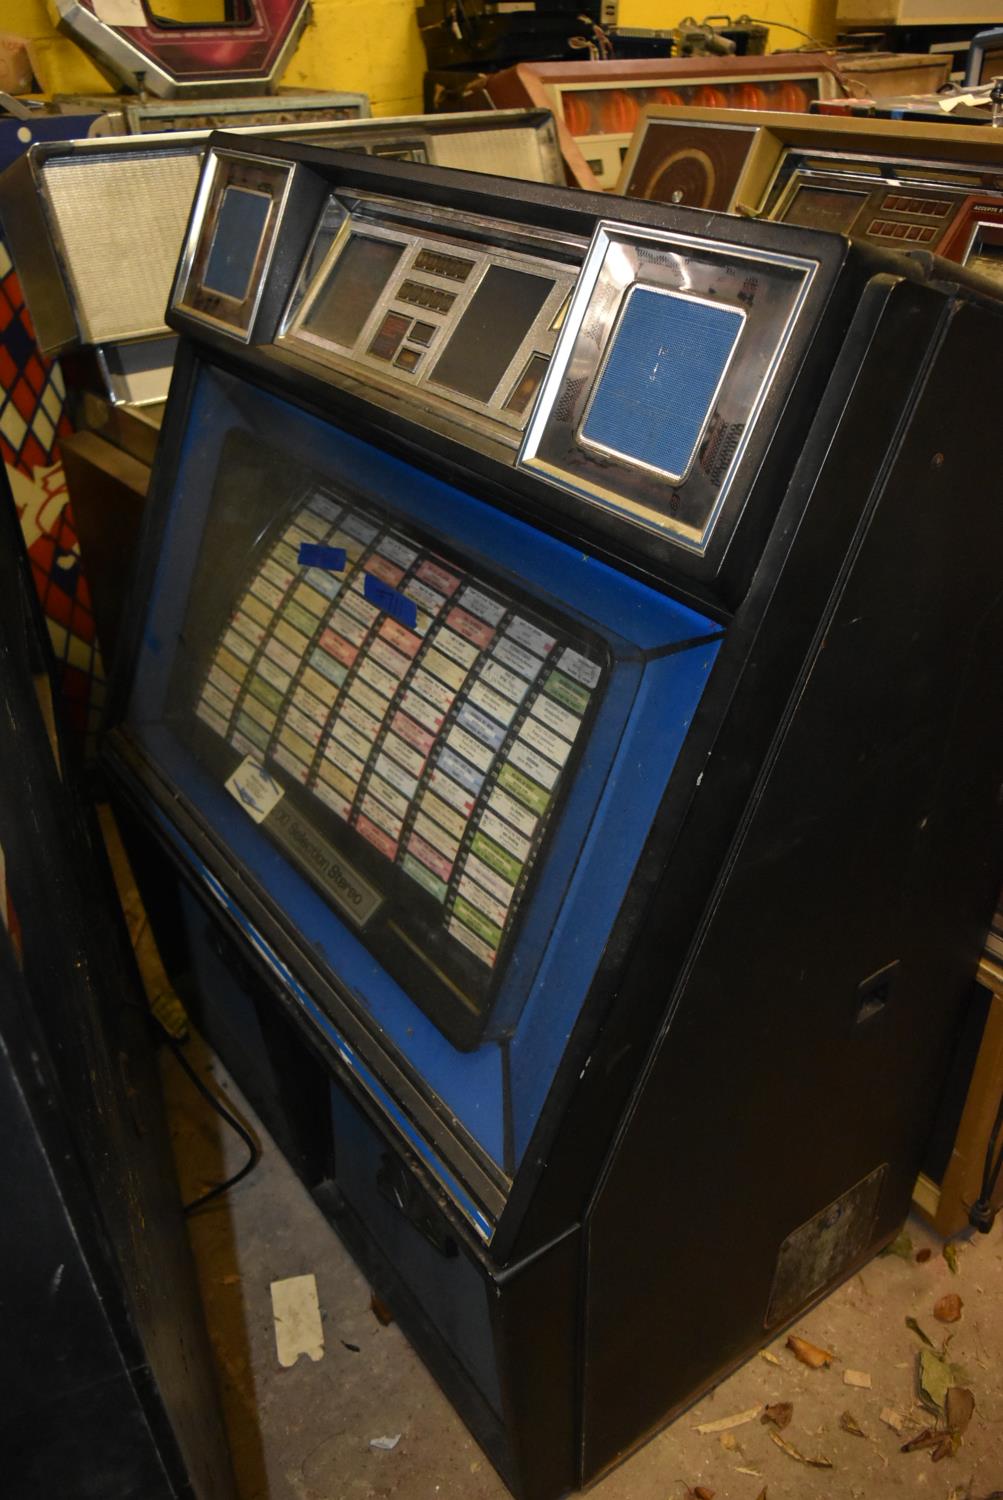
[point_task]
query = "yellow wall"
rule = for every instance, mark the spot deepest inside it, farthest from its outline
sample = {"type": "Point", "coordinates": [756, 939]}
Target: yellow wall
{"type": "Point", "coordinates": [372, 46]}
{"type": "Point", "coordinates": [369, 45]}
{"type": "Point", "coordinates": [817, 17]}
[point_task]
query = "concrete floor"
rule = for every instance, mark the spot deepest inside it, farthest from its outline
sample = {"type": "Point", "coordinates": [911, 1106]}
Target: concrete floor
{"type": "Point", "coordinates": [304, 1433]}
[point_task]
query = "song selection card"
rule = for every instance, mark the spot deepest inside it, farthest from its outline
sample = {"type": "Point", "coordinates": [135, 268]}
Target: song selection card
{"type": "Point", "coordinates": [442, 741]}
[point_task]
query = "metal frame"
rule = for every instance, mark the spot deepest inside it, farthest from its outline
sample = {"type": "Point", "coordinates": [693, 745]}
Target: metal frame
{"type": "Point", "coordinates": [141, 70]}
{"type": "Point", "coordinates": [601, 372]}
{"type": "Point", "coordinates": [297, 334]}
{"type": "Point", "coordinates": [148, 116]}
{"type": "Point", "coordinates": [794, 170]}
{"type": "Point", "coordinates": [212, 185]}
{"type": "Point", "coordinates": [616, 263]}
{"type": "Point", "coordinates": [981, 43]}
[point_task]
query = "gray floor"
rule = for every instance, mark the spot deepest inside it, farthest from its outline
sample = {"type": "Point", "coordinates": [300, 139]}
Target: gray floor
{"type": "Point", "coordinates": [305, 1433]}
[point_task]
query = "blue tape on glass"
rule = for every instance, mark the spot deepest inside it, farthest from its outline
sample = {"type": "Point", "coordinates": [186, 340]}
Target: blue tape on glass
{"type": "Point", "coordinates": [397, 605]}
{"type": "Point", "coordinates": [668, 358]}
{"type": "Point", "coordinates": [316, 555]}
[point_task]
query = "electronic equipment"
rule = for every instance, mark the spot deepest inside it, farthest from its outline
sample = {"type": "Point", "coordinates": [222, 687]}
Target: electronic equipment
{"type": "Point", "coordinates": [95, 227]}
{"type": "Point", "coordinates": [985, 57]}
{"type": "Point", "coordinates": [598, 104]}
{"type": "Point", "coordinates": [242, 54]}
{"type": "Point", "coordinates": [975, 237]}
{"type": "Point", "coordinates": [563, 679]}
{"type": "Point", "coordinates": [496, 33]}
{"type": "Point", "coordinates": [877, 75]}
{"type": "Point", "coordinates": [880, 180]}
{"type": "Point", "coordinates": [129, 114]}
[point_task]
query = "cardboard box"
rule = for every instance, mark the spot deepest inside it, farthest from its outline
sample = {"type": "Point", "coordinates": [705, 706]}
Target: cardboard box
{"type": "Point", "coordinates": [15, 69]}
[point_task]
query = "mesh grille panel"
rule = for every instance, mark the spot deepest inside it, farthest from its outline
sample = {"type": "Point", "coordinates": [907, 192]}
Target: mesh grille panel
{"type": "Point", "coordinates": [667, 360]}
{"type": "Point", "coordinates": [502, 153]}
{"type": "Point", "coordinates": [121, 221]}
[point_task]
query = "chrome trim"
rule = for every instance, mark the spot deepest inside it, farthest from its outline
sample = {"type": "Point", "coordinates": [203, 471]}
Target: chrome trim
{"type": "Point", "coordinates": [489, 416]}
{"type": "Point", "coordinates": [144, 73]}
{"type": "Point", "coordinates": [617, 262]}
{"type": "Point", "coordinates": [611, 343]}
{"type": "Point", "coordinates": [978, 225]}
{"type": "Point", "coordinates": [483, 228]}
{"type": "Point", "coordinates": [213, 172]}
{"type": "Point", "coordinates": [944, 175]}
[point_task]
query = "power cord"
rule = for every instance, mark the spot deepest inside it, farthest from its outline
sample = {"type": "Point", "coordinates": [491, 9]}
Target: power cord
{"type": "Point", "coordinates": [982, 1215]}
{"type": "Point", "coordinates": [253, 1148]}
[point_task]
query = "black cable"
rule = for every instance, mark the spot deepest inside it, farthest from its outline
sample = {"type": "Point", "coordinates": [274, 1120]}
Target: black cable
{"type": "Point", "coordinates": [253, 1148]}
{"type": "Point", "coordinates": [982, 1215]}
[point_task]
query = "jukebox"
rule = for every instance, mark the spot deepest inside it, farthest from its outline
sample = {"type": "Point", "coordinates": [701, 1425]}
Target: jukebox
{"type": "Point", "coordinates": [564, 669]}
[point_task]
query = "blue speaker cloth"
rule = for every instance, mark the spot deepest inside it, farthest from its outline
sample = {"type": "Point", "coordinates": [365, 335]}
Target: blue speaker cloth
{"type": "Point", "coordinates": [654, 395]}
{"type": "Point", "coordinates": [239, 225]}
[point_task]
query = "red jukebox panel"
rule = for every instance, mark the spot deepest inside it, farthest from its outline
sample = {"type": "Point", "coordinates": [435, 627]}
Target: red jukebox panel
{"type": "Point", "coordinates": [976, 236]}
{"type": "Point", "coordinates": [598, 104]}
{"type": "Point", "coordinates": [246, 51]}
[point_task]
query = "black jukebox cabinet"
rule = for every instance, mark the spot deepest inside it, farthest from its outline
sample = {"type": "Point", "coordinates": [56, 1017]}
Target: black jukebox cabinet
{"type": "Point", "coordinates": [565, 659]}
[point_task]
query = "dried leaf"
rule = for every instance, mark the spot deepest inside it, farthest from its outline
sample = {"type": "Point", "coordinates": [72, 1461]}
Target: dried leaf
{"type": "Point", "coordinates": [849, 1423]}
{"type": "Point", "coordinates": [946, 1448]}
{"type": "Point", "coordinates": [700, 1493]}
{"type": "Point", "coordinates": [770, 1358]}
{"type": "Point", "coordinates": [959, 1408]}
{"type": "Point", "coordinates": [762, 1494]}
{"type": "Point", "coordinates": [792, 1452]}
{"type": "Point", "coordinates": [724, 1423]}
{"type": "Point", "coordinates": [950, 1253]}
{"type": "Point", "coordinates": [779, 1413]}
{"type": "Point", "coordinates": [928, 1438]}
{"type": "Point", "coordinates": [922, 1256]}
{"type": "Point", "coordinates": [380, 1310]}
{"type": "Point", "coordinates": [948, 1308]}
{"type": "Point", "coordinates": [859, 1378]}
{"type": "Point", "coordinates": [934, 1378]}
{"type": "Point", "coordinates": [911, 1323]}
{"type": "Point", "coordinates": [809, 1354]}
{"type": "Point", "coordinates": [901, 1246]}
{"type": "Point", "coordinates": [892, 1419]}
{"type": "Point", "coordinates": [729, 1441]}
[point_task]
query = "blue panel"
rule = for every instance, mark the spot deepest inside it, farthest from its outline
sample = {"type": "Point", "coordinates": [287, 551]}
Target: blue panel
{"type": "Point", "coordinates": [16, 136]}
{"type": "Point", "coordinates": [634, 739]}
{"type": "Point", "coordinates": [655, 393]}
{"type": "Point", "coordinates": [239, 226]}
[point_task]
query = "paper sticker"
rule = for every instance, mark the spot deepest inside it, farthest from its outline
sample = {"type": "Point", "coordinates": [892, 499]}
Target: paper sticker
{"type": "Point", "coordinates": [254, 789]}
{"type": "Point", "coordinates": [120, 12]}
{"type": "Point", "coordinates": [296, 1311]}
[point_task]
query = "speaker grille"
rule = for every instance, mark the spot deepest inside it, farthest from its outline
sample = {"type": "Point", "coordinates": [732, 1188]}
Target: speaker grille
{"type": "Point", "coordinates": [121, 221]}
{"type": "Point", "coordinates": [501, 153]}
{"type": "Point", "coordinates": [661, 378]}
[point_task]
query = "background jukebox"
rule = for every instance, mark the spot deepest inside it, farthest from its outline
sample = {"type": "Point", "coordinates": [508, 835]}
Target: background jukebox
{"type": "Point", "coordinates": [563, 674]}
